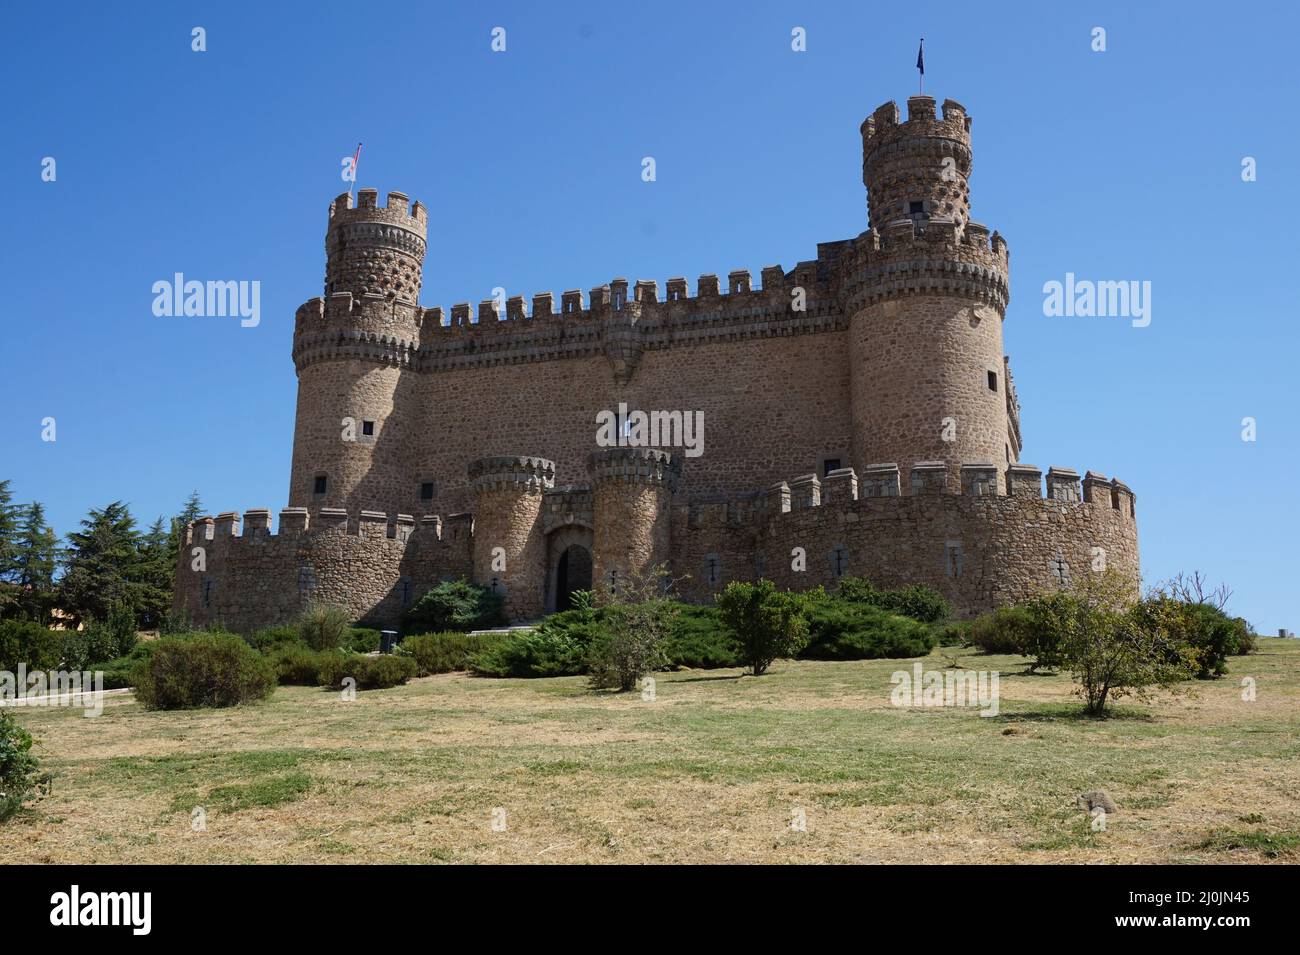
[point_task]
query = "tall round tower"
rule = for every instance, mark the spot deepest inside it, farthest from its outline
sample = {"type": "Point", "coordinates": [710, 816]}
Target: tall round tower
{"type": "Point", "coordinates": [355, 423]}
{"type": "Point", "coordinates": [926, 289]}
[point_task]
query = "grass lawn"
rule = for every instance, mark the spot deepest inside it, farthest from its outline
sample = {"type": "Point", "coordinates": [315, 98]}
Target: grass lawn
{"type": "Point", "coordinates": [713, 770]}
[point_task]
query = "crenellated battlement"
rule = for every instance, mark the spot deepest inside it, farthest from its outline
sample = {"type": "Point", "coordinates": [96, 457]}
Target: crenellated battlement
{"type": "Point", "coordinates": [649, 466]}
{"type": "Point", "coordinates": [883, 127]}
{"type": "Point", "coordinates": [517, 473]}
{"type": "Point", "coordinates": [937, 257]}
{"type": "Point", "coordinates": [297, 524]}
{"type": "Point", "coordinates": [397, 210]}
{"type": "Point", "coordinates": [844, 488]}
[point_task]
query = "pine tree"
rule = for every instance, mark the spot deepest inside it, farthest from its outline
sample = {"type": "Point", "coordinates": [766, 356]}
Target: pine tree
{"type": "Point", "coordinates": [9, 591]}
{"type": "Point", "coordinates": [191, 512]}
{"type": "Point", "coordinates": [9, 517]}
{"type": "Point", "coordinates": [35, 560]}
{"type": "Point", "coordinates": [100, 562]}
{"type": "Point", "coordinates": [153, 576]}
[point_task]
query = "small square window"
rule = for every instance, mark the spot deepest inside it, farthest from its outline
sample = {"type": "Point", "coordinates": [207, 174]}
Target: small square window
{"type": "Point", "coordinates": [426, 491]}
{"type": "Point", "coordinates": [320, 484]}
{"type": "Point", "coordinates": [829, 465]}
{"type": "Point", "coordinates": [993, 381]}
{"type": "Point", "coordinates": [916, 208]}
{"type": "Point", "coordinates": [368, 428]}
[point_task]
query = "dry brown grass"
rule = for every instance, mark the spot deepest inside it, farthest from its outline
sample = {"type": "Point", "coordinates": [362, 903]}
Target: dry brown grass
{"type": "Point", "coordinates": [710, 771]}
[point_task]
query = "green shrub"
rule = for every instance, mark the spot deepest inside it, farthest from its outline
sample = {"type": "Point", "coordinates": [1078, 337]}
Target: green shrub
{"type": "Point", "coordinates": [454, 605]}
{"type": "Point", "coordinates": [543, 651]}
{"type": "Point", "coordinates": [203, 669]}
{"type": "Point", "coordinates": [370, 673]}
{"type": "Point", "coordinates": [99, 640]}
{"type": "Point", "coordinates": [264, 640]}
{"type": "Point", "coordinates": [916, 601]}
{"type": "Point", "coordinates": [120, 673]}
{"type": "Point", "coordinates": [699, 639]}
{"type": "Point", "coordinates": [296, 664]}
{"type": "Point", "coordinates": [953, 634]}
{"type": "Point", "coordinates": [446, 652]}
{"type": "Point", "coordinates": [23, 641]}
{"type": "Point", "coordinates": [839, 630]}
{"type": "Point", "coordinates": [768, 623]}
{"type": "Point", "coordinates": [324, 626]}
{"type": "Point", "coordinates": [1005, 630]}
{"type": "Point", "coordinates": [1246, 637]}
{"type": "Point", "coordinates": [174, 622]}
{"type": "Point", "coordinates": [363, 640]}
{"type": "Point", "coordinates": [1208, 631]}
{"type": "Point", "coordinates": [21, 778]}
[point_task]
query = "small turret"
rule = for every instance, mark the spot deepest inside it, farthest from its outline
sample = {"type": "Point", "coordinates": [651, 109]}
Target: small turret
{"type": "Point", "coordinates": [376, 251]}
{"type": "Point", "coordinates": [509, 545]}
{"type": "Point", "coordinates": [918, 169]}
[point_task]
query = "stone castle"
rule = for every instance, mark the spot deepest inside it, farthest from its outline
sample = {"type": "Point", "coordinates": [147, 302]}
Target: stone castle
{"type": "Point", "coordinates": [858, 411]}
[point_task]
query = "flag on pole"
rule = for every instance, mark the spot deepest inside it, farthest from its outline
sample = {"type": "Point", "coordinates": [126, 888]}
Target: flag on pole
{"type": "Point", "coordinates": [355, 159]}
{"type": "Point", "coordinates": [920, 61]}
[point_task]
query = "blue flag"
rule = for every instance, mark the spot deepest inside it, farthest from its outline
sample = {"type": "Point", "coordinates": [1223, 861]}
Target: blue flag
{"type": "Point", "coordinates": [920, 57]}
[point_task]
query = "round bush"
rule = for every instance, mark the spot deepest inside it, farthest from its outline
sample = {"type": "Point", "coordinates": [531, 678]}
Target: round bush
{"type": "Point", "coordinates": [202, 669]}
{"type": "Point", "coordinates": [273, 637]}
{"type": "Point", "coordinates": [370, 673]}
{"type": "Point", "coordinates": [324, 627]}
{"type": "Point", "coordinates": [296, 664]}
{"type": "Point", "coordinates": [454, 605]}
{"type": "Point", "coordinates": [843, 631]}
{"type": "Point", "coordinates": [446, 652]}
{"type": "Point", "coordinates": [1005, 630]}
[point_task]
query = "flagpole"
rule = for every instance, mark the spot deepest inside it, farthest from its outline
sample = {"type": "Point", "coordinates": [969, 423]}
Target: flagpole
{"type": "Point", "coordinates": [920, 65]}
{"type": "Point", "coordinates": [356, 161]}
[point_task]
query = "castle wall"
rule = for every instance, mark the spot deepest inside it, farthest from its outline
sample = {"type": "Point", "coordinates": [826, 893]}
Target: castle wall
{"type": "Point", "coordinates": [980, 552]}
{"type": "Point", "coordinates": [771, 407]}
{"type": "Point", "coordinates": [362, 562]}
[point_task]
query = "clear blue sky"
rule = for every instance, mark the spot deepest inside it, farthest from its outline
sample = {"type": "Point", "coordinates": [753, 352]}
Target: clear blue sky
{"type": "Point", "coordinates": [1117, 165]}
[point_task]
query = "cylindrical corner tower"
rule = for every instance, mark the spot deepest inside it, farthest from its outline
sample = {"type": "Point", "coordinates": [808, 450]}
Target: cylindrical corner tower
{"type": "Point", "coordinates": [354, 425]}
{"type": "Point", "coordinates": [927, 292]}
{"type": "Point", "coordinates": [509, 546]}
{"type": "Point", "coordinates": [631, 492]}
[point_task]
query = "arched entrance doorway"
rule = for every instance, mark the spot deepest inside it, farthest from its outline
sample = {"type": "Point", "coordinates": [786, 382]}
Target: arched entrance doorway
{"type": "Point", "coordinates": [572, 572]}
{"type": "Point", "coordinates": [568, 565]}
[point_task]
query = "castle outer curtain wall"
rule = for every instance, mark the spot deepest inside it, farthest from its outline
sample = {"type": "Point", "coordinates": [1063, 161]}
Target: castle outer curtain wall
{"type": "Point", "coordinates": [978, 548]}
{"type": "Point", "coordinates": [858, 416]}
{"type": "Point", "coordinates": [243, 577]}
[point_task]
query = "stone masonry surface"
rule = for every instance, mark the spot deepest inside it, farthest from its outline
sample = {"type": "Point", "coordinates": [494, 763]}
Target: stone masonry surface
{"type": "Point", "coordinates": [858, 406]}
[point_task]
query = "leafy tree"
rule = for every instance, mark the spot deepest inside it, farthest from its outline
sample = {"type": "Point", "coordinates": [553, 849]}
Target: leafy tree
{"type": "Point", "coordinates": [636, 623]}
{"type": "Point", "coordinates": [769, 623]}
{"type": "Point", "coordinates": [1112, 647]}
